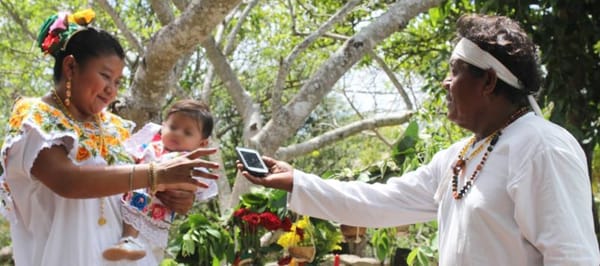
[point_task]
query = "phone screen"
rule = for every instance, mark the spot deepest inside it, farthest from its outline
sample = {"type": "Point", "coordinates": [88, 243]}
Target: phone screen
{"type": "Point", "coordinates": [252, 159]}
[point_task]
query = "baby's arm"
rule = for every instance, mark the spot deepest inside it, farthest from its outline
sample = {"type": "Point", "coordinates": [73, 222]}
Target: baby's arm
{"type": "Point", "coordinates": [177, 186]}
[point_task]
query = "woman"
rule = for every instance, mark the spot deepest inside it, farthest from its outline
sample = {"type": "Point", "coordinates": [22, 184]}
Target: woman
{"type": "Point", "coordinates": [516, 193]}
{"type": "Point", "coordinates": [65, 167]}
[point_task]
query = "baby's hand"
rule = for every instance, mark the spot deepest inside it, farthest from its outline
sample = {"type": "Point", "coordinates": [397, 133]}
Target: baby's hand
{"type": "Point", "coordinates": [179, 186]}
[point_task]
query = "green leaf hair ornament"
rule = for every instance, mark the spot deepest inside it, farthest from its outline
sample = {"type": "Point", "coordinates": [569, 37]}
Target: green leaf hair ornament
{"type": "Point", "coordinates": [57, 29]}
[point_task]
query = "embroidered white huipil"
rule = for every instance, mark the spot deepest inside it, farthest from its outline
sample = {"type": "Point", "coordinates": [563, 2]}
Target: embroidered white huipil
{"type": "Point", "coordinates": [47, 229]}
{"type": "Point", "coordinates": [530, 205]}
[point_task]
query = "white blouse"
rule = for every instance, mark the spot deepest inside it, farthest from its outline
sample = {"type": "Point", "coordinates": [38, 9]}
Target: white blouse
{"type": "Point", "coordinates": [47, 229]}
{"type": "Point", "coordinates": [529, 205]}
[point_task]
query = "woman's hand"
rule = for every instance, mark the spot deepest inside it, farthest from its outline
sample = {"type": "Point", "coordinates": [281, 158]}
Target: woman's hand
{"type": "Point", "coordinates": [280, 176]}
{"type": "Point", "coordinates": [182, 168]}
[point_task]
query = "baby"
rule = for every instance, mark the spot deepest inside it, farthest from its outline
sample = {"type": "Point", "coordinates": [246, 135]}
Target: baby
{"type": "Point", "coordinates": [187, 126]}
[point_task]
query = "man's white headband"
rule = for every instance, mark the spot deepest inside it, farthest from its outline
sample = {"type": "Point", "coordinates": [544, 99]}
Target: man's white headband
{"type": "Point", "coordinates": [469, 52]}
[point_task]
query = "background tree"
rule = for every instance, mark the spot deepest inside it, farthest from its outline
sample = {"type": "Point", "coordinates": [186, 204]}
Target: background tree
{"type": "Point", "coordinates": [164, 59]}
{"type": "Point", "coordinates": [271, 70]}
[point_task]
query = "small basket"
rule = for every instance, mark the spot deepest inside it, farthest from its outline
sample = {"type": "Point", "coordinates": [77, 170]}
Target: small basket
{"type": "Point", "coordinates": [353, 233]}
{"type": "Point", "coordinates": [302, 254]}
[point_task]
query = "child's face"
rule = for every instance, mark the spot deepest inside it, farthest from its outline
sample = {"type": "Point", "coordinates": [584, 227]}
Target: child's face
{"type": "Point", "coordinates": [182, 133]}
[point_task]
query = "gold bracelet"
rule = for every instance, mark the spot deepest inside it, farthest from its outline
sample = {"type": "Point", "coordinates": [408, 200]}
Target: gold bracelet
{"type": "Point", "coordinates": [131, 174]}
{"type": "Point", "coordinates": [152, 178]}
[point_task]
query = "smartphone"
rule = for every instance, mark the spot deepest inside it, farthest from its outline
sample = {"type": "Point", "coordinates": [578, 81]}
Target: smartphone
{"type": "Point", "coordinates": [252, 161]}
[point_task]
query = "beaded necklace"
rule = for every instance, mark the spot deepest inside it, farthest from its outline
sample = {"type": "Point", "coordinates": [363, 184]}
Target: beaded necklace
{"type": "Point", "coordinates": [461, 162]}
{"type": "Point", "coordinates": [57, 99]}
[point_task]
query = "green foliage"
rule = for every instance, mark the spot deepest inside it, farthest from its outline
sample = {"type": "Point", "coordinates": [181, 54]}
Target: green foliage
{"type": "Point", "coordinates": [405, 146]}
{"type": "Point", "coordinates": [202, 241]}
{"type": "Point", "coordinates": [384, 241]}
{"type": "Point", "coordinates": [327, 238]}
{"type": "Point", "coordinates": [265, 200]}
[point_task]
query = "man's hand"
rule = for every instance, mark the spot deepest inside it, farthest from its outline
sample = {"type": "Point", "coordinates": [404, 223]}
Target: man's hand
{"type": "Point", "coordinates": [280, 176]}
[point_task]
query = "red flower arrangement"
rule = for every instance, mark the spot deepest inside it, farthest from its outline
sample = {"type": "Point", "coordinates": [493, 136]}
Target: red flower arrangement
{"type": "Point", "coordinates": [266, 219]}
{"type": "Point", "coordinates": [252, 224]}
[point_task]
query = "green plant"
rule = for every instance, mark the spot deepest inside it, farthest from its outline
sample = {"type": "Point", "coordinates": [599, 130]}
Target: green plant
{"type": "Point", "coordinates": [327, 238]}
{"type": "Point", "coordinates": [384, 242]}
{"type": "Point", "coordinates": [255, 223]}
{"type": "Point", "coordinates": [202, 241]}
{"type": "Point", "coordinates": [424, 239]}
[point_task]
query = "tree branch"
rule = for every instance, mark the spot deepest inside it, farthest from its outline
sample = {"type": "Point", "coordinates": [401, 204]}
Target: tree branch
{"type": "Point", "coordinates": [163, 11]}
{"type": "Point", "coordinates": [230, 45]}
{"type": "Point", "coordinates": [121, 26]}
{"type": "Point", "coordinates": [180, 4]}
{"type": "Point", "coordinates": [381, 137]}
{"type": "Point", "coordinates": [165, 16]}
{"type": "Point", "coordinates": [292, 116]}
{"type": "Point", "coordinates": [9, 8]}
{"type": "Point", "coordinates": [243, 101]}
{"type": "Point", "coordinates": [292, 151]}
{"type": "Point", "coordinates": [206, 91]}
{"type": "Point", "coordinates": [284, 67]}
{"type": "Point", "coordinates": [156, 74]}
{"type": "Point", "coordinates": [181, 36]}
{"type": "Point", "coordinates": [393, 79]}
{"type": "Point", "coordinates": [383, 66]}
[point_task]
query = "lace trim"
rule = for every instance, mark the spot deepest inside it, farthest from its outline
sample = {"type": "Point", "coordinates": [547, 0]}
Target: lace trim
{"type": "Point", "coordinates": [155, 231]}
{"type": "Point", "coordinates": [8, 208]}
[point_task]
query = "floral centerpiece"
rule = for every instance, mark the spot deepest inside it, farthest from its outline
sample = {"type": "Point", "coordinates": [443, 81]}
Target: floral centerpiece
{"type": "Point", "coordinates": [299, 242]}
{"type": "Point", "coordinates": [263, 231]}
{"type": "Point", "coordinates": [258, 219]}
{"type": "Point", "coordinates": [308, 241]}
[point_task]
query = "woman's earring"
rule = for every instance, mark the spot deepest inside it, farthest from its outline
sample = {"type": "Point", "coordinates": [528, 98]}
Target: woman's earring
{"type": "Point", "coordinates": [68, 93]}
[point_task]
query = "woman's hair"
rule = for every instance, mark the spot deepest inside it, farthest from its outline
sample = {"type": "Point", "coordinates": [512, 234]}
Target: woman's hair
{"type": "Point", "coordinates": [84, 45]}
{"type": "Point", "coordinates": [504, 39]}
{"type": "Point", "coordinates": [197, 110]}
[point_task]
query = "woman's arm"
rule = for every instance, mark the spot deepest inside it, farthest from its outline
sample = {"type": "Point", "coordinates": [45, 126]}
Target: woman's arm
{"type": "Point", "coordinates": [55, 170]}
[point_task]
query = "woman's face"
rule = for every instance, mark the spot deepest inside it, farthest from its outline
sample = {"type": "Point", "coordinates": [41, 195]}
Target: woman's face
{"type": "Point", "coordinates": [94, 85]}
{"type": "Point", "coordinates": [464, 94]}
{"type": "Point", "coordinates": [182, 133]}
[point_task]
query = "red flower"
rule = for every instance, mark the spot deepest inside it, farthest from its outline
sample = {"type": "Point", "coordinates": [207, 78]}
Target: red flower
{"type": "Point", "coordinates": [286, 224]}
{"type": "Point", "coordinates": [240, 212]}
{"type": "Point", "coordinates": [300, 233]}
{"type": "Point", "coordinates": [270, 221]}
{"type": "Point", "coordinates": [284, 261]}
{"type": "Point", "coordinates": [252, 219]}
{"type": "Point", "coordinates": [50, 40]}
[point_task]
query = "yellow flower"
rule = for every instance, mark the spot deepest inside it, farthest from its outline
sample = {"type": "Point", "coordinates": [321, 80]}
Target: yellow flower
{"type": "Point", "coordinates": [82, 17]}
{"type": "Point", "coordinates": [15, 121]}
{"type": "Point", "coordinates": [38, 118]}
{"type": "Point", "coordinates": [293, 238]}
{"type": "Point", "coordinates": [289, 239]}
{"type": "Point", "coordinates": [95, 138]}
{"type": "Point", "coordinates": [124, 133]}
{"type": "Point", "coordinates": [303, 223]}
{"type": "Point", "coordinates": [115, 121]}
{"type": "Point", "coordinates": [45, 108]}
{"type": "Point", "coordinates": [22, 107]}
{"type": "Point", "coordinates": [111, 140]}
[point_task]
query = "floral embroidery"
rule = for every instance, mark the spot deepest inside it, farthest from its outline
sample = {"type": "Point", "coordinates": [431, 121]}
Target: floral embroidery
{"type": "Point", "coordinates": [33, 114]}
{"type": "Point", "coordinates": [82, 154]}
{"type": "Point", "coordinates": [139, 201]}
{"type": "Point", "coordinates": [158, 211]}
{"type": "Point", "coordinates": [52, 122]}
